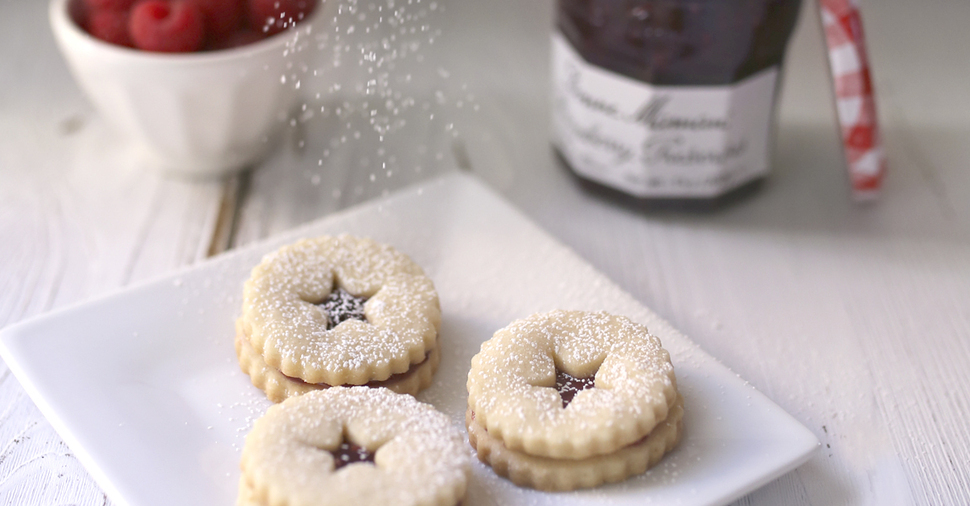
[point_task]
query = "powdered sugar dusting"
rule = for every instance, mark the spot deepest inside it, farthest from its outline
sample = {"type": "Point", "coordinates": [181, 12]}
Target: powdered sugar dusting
{"type": "Point", "coordinates": [420, 457]}
{"type": "Point", "coordinates": [569, 474]}
{"type": "Point", "coordinates": [510, 383]}
{"type": "Point", "coordinates": [291, 331]}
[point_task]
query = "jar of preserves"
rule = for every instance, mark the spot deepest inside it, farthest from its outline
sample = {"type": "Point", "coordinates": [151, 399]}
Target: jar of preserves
{"type": "Point", "coordinates": [668, 100]}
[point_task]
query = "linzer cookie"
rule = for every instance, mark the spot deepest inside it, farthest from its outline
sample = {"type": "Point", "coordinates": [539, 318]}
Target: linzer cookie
{"type": "Point", "coordinates": [544, 473]}
{"type": "Point", "coordinates": [278, 386]}
{"type": "Point", "coordinates": [361, 446]}
{"type": "Point", "coordinates": [572, 399]}
{"type": "Point", "coordinates": [338, 311]}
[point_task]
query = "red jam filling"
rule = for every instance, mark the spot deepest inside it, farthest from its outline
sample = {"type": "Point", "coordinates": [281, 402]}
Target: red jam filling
{"type": "Point", "coordinates": [349, 453]}
{"type": "Point", "coordinates": [341, 306]}
{"type": "Point", "coordinates": [568, 386]}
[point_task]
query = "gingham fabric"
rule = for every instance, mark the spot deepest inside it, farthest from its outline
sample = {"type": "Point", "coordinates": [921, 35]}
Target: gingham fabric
{"type": "Point", "coordinates": [855, 98]}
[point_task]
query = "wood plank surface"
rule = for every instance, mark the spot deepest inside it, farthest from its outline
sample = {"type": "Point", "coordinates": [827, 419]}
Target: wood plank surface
{"type": "Point", "coordinates": [77, 219]}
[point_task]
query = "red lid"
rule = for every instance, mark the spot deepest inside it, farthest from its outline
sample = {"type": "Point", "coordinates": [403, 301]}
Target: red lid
{"type": "Point", "coordinates": [854, 96]}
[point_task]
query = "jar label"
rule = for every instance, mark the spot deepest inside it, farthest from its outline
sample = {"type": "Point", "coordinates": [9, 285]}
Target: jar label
{"type": "Point", "coordinates": [659, 141]}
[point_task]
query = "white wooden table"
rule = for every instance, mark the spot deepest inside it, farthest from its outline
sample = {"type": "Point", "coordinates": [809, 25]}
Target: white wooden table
{"type": "Point", "coordinates": [855, 319]}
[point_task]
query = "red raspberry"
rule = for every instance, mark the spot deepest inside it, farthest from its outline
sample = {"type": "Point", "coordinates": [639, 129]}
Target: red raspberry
{"type": "Point", "coordinates": [169, 26]}
{"type": "Point", "coordinates": [78, 11]}
{"type": "Point", "coordinates": [235, 39]}
{"type": "Point", "coordinates": [114, 5]}
{"type": "Point", "coordinates": [110, 26]}
{"type": "Point", "coordinates": [274, 16]}
{"type": "Point", "coordinates": [222, 17]}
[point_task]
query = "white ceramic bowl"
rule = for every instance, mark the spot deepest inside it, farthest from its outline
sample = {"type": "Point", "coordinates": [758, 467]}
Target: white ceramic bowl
{"type": "Point", "coordinates": [195, 114]}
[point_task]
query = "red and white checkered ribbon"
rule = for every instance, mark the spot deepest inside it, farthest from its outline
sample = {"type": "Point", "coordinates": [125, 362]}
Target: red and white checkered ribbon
{"type": "Point", "coordinates": [855, 98]}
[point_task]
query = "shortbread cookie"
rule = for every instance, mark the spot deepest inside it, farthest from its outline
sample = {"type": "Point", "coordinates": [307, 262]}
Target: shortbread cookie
{"type": "Point", "coordinates": [568, 474]}
{"type": "Point", "coordinates": [361, 446]}
{"type": "Point", "coordinates": [287, 320]}
{"type": "Point", "coordinates": [246, 496]}
{"type": "Point", "coordinates": [278, 386]}
{"type": "Point", "coordinates": [509, 385]}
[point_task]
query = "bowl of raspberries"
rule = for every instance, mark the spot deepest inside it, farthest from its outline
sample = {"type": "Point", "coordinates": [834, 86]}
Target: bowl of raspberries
{"type": "Point", "coordinates": [202, 87]}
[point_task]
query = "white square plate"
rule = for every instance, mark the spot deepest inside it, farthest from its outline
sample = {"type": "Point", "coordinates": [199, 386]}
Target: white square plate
{"type": "Point", "coordinates": [144, 385]}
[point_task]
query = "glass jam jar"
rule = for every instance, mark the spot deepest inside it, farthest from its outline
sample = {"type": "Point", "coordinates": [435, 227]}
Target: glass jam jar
{"type": "Point", "coordinates": [668, 100]}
